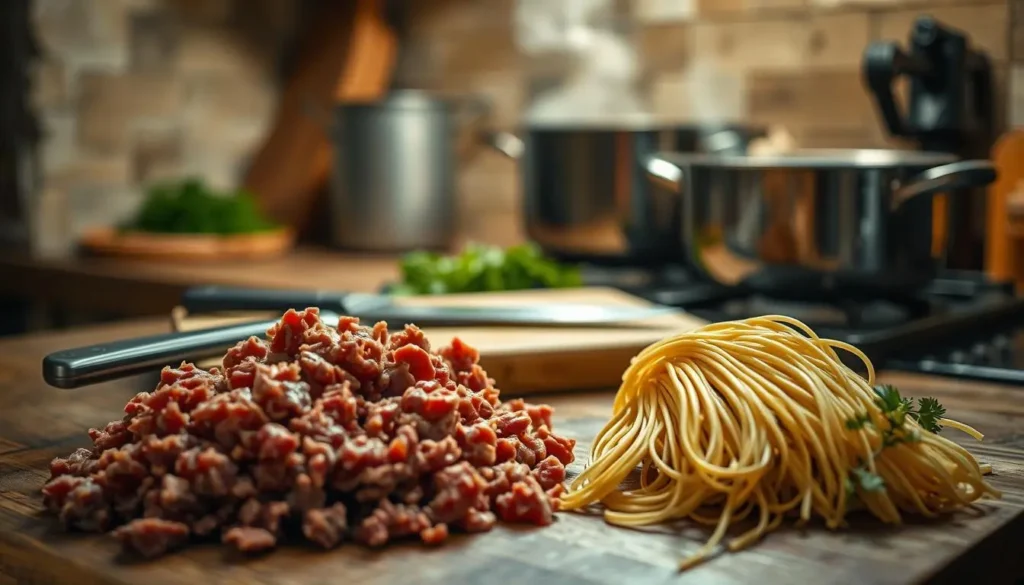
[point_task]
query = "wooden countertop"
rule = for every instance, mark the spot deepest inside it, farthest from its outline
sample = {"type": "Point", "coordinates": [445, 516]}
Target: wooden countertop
{"type": "Point", "coordinates": [135, 287]}
{"type": "Point", "coordinates": [38, 422]}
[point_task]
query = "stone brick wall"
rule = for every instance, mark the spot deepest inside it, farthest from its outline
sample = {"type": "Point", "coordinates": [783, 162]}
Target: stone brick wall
{"type": "Point", "coordinates": [134, 90]}
{"type": "Point", "coordinates": [131, 91]}
{"type": "Point", "coordinates": [789, 62]}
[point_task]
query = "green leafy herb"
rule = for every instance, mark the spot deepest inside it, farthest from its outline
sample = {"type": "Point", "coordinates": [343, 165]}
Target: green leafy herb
{"type": "Point", "coordinates": [858, 422]}
{"type": "Point", "coordinates": [869, 482]}
{"type": "Point", "coordinates": [929, 411]}
{"type": "Point", "coordinates": [481, 268]}
{"type": "Point", "coordinates": [190, 207]}
{"type": "Point", "coordinates": [895, 409]}
{"type": "Point", "coordinates": [890, 401]}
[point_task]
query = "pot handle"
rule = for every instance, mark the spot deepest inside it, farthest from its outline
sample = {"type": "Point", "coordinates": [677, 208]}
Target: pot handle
{"type": "Point", "coordinates": [959, 175]}
{"type": "Point", "coordinates": [506, 143]}
{"type": "Point", "coordinates": [663, 172]}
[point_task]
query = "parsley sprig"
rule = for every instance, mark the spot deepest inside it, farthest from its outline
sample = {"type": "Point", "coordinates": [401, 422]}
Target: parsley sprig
{"type": "Point", "coordinates": [896, 409]}
{"type": "Point", "coordinates": [928, 414]}
{"type": "Point", "coordinates": [483, 268]}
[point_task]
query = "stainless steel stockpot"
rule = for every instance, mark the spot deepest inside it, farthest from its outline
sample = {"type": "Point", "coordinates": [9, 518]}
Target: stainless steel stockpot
{"type": "Point", "coordinates": [393, 182]}
{"type": "Point", "coordinates": [585, 193]}
{"type": "Point", "coordinates": [817, 222]}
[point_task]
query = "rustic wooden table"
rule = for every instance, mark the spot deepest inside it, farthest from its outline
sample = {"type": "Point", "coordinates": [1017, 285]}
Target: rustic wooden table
{"type": "Point", "coordinates": [38, 422]}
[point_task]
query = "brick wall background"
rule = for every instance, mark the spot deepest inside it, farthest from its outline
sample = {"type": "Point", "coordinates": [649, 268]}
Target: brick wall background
{"type": "Point", "coordinates": [132, 90]}
{"type": "Point", "coordinates": [789, 62]}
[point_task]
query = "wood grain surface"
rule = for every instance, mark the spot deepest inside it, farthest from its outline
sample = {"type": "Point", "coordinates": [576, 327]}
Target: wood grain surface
{"type": "Point", "coordinates": [348, 55]}
{"type": "Point", "coordinates": [189, 247]}
{"type": "Point", "coordinates": [132, 288]}
{"type": "Point", "coordinates": [530, 360]}
{"type": "Point", "coordinates": [38, 423]}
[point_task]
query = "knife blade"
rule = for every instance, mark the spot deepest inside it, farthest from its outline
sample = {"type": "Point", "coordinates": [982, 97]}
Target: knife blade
{"type": "Point", "coordinates": [372, 308]}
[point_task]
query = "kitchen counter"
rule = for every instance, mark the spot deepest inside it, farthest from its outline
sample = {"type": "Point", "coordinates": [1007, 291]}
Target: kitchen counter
{"type": "Point", "coordinates": [129, 288]}
{"type": "Point", "coordinates": [38, 423]}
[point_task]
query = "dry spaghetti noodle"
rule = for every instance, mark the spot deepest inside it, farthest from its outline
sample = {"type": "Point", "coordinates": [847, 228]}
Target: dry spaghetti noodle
{"type": "Point", "coordinates": [754, 417]}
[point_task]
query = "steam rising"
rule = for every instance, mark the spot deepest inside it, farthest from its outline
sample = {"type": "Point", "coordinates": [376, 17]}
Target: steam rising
{"type": "Point", "coordinates": [601, 84]}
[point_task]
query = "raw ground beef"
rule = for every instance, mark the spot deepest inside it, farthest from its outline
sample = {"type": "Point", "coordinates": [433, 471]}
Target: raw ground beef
{"type": "Point", "coordinates": [347, 433]}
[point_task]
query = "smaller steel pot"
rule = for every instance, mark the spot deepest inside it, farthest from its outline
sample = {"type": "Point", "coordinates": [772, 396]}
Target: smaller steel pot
{"type": "Point", "coordinates": [585, 195]}
{"type": "Point", "coordinates": [817, 223]}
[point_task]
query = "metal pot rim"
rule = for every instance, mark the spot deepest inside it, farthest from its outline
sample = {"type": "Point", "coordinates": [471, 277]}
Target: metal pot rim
{"type": "Point", "coordinates": [402, 100]}
{"type": "Point", "coordinates": [823, 158]}
{"type": "Point", "coordinates": [626, 125]}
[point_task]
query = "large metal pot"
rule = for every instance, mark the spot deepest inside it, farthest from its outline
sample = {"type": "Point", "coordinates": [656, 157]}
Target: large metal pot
{"type": "Point", "coordinates": [585, 194]}
{"type": "Point", "coordinates": [393, 182]}
{"type": "Point", "coordinates": [814, 223]}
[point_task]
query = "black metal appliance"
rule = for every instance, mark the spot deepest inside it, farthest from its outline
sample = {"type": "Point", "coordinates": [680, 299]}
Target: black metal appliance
{"type": "Point", "coordinates": [949, 108]}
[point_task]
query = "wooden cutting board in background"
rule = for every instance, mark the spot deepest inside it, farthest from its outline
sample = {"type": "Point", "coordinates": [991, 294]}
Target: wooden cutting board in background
{"type": "Point", "coordinates": [531, 360]}
{"type": "Point", "coordinates": [1005, 221]}
{"type": "Point", "coordinates": [349, 55]}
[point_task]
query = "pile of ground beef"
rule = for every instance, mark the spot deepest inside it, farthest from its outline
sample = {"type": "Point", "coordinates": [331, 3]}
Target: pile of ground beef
{"type": "Point", "coordinates": [331, 433]}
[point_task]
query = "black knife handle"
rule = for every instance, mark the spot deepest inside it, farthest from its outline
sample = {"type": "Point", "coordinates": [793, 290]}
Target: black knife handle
{"type": "Point", "coordinates": [74, 368]}
{"type": "Point", "coordinates": [208, 299]}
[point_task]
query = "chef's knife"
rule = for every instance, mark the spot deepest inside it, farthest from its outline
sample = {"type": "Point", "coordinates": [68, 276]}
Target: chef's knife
{"type": "Point", "coordinates": [74, 368]}
{"type": "Point", "coordinates": [372, 308]}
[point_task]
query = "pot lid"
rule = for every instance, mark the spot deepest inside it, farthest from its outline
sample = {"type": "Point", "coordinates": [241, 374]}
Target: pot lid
{"type": "Point", "coordinates": [822, 158]}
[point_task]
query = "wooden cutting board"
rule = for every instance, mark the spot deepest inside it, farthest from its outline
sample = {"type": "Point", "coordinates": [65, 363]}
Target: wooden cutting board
{"type": "Point", "coordinates": [578, 549]}
{"type": "Point", "coordinates": [529, 360]}
{"type": "Point", "coordinates": [38, 423]}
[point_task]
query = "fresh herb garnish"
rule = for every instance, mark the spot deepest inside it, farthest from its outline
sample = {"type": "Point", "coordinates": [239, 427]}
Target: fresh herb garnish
{"type": "Point", "coordinates": [481, 268]}
{"type": "Point", "coordinates": [858, 422]}
{"type": "Point", "coordinates": [896, 409]}
{"type": "Point", "coordinates": [869, 482]}
{"type": "Point", "coordinates": [190, 207]}
{"type": "Point", "coordinates": [890, 401]}
{"type": "Point", "coordinates": [928, 414]}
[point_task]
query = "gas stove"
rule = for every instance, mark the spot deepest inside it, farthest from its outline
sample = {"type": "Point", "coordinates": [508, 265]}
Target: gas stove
{"type": "Point", "coordinates": [961, 325]}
